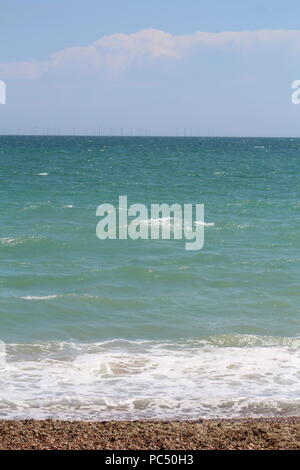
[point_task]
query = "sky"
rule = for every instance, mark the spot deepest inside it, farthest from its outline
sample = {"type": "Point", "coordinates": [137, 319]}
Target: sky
{"type": "Point", "coordinates": [167, 67]}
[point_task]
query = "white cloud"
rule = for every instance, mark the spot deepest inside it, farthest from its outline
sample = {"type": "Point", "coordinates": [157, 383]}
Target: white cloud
{"type": "Point", "coordinates": [150, 43]}
{"type": "Point", "coordinates": [118, 51]}
{"type": "Point", "coordinates": [23, 70]}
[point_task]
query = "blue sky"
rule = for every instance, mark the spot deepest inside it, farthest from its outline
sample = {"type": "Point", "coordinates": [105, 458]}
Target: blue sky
{"type": "Point", "coordinates": [134, 65]}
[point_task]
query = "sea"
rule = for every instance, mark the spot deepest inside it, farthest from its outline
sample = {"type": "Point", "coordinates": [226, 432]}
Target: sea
{"type": "Point", "coordinates": [144, 329]}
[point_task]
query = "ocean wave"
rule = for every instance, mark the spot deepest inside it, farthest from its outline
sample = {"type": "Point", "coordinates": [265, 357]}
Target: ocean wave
{"type": "Point", "coordinates": [36, 297]}
{"type": "Point", "coordinates": [20, 240]}
{"type": "Point", "coordinates": [205, 224]}
{"type": "Point", "coordinates": [8, 241]}
{"type": "Point", "coordinates": [56, 296]}
{"type": "Point", "coordinates": [214, 377]}
{"type": "Point", "coordinates": [75, 408]}
{"type": "Point", "coordinates": [167, 221]}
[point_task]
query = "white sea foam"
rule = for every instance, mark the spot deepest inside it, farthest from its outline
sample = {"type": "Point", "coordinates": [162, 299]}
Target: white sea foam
{"type": "Point", "coordinates": [218, 377]}
{"type": "Point", "coordinates": [56, 296]}
{"type": "Point", "coordinates": [8, 241]}
{"type": "Point", "coordinates": [205, 224]}
{"type": "Point", "coordinates": [43, 174]}
{"type": "Point", "coordinates": [164, 221]}
{"type": "Point", "coordinates": [13, 241]}
{"type": "Point", "coordinates": [41, 297]}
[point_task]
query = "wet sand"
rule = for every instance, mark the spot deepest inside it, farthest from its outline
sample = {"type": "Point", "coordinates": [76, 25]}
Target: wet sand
{"type": "Point", "coordinates": [273, 433]}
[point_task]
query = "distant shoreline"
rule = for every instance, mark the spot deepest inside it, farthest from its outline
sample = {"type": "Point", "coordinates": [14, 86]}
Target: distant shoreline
{"type": "Point", "coordinates": [222, 434]}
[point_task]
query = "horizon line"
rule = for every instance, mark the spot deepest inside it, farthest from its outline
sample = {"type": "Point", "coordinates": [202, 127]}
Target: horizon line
{"type": "Point", "coordinates": [154, 136]}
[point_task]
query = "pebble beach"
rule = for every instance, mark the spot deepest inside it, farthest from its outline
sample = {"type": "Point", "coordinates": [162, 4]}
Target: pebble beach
{"type": "Point", "coordinates": [248, 434]}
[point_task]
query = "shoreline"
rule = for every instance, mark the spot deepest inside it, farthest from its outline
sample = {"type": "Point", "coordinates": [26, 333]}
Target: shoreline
{"type": "Point", "coordinates": [274, 433]}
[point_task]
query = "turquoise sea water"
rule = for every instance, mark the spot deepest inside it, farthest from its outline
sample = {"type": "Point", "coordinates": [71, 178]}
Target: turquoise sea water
{"type": "Point", "coordinates": [128, 329]}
